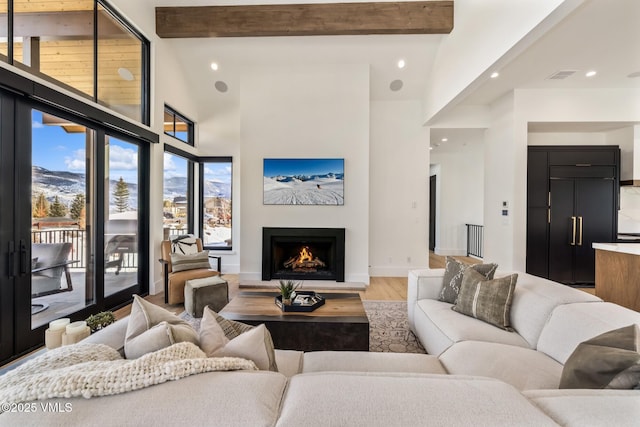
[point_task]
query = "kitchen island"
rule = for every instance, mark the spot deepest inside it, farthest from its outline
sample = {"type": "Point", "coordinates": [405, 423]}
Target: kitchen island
{"type": "Point", "coordinates": [618, 273]}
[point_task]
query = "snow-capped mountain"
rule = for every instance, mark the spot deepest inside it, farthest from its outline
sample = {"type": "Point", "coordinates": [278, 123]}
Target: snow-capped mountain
{"type": "Point", "coordinates": [177, 185]}
{"type": "Point", "coordinates": [304, 178]}
{"type": "Point", "coordinates": [66, 185]}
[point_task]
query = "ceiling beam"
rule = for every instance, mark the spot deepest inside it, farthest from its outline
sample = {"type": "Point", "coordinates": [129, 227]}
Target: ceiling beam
{"type": "Point", "coordinates": [317, 19]}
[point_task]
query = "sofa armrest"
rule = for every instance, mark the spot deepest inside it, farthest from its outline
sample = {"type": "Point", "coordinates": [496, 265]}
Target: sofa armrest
{"type": "Point", "coordinates": [113, 335]}
{"type": "Point", "coordinates": [422, 284]}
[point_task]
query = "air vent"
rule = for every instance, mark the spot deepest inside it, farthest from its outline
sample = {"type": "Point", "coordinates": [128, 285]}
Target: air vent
{"type": "Point", "coordinates": [561, 75]}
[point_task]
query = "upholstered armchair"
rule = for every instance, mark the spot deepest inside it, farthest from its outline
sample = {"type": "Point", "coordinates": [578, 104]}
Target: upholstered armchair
{"type": "Point", "coordinates": [185, 266]}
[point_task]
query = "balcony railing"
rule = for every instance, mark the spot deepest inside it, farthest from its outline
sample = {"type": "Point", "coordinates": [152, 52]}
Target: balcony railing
{"type": "Point", "coordinates": [78, 241]}
{"type": "Point", "coordinates": [475, 240]}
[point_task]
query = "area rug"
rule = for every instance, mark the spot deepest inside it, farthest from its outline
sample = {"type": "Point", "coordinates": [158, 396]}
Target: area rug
{"type": "Point", "coordinates": [388, 327]}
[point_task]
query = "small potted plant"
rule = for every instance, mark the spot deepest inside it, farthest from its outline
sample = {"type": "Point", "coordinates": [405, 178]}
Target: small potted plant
{"type": "Point", "coordinates": [101, 320]}
{"type": "Point", "coordinates": [287, 289]}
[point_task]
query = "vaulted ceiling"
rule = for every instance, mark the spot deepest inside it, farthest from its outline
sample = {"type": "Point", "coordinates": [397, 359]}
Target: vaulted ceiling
{"type": "Point", "coordinates": [601, 35]}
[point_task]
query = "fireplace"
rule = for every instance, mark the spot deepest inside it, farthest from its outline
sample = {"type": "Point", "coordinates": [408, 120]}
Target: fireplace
{"type": "Point", "coordinates": [303, 253]}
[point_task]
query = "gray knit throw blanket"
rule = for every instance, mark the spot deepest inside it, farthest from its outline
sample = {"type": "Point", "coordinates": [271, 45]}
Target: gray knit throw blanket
{"type": "Point", "coordinates": [90, 370]}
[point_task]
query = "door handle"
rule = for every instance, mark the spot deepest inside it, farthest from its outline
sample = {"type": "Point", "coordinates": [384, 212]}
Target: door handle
{"type": "Point", "coordinates": [11, 260]}
{"type": "Point", "coordinates": [573, 226]}
{"type": "Point", "coordinates": [23, 258]}
{"type": "Point", "coordinates": [579, 231]}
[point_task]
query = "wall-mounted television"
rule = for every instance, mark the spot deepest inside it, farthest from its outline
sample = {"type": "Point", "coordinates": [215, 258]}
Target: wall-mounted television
{"type": "Point", "coordinates": [303, 182]}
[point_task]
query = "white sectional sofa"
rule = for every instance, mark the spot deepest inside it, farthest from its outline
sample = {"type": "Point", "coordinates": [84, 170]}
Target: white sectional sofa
{"type": "Point", "coordinates": [549, 319]}
{"type": "Point", "coordinates": [476, 374]}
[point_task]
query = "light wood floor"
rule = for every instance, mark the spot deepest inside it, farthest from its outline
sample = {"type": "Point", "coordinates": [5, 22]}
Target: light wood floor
{"type": "Point", "coordinates": [379, 289]}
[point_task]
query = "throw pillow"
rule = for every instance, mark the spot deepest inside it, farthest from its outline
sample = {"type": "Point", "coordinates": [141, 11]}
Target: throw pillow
{"type": "Point", "coordinates": [231, 328]}
{"type": "Point", "coordinates": [185, 244]}
{"type": "Point", "coordinates": [254, 344]}
{"type": "Point", "coordinates": [610, 360]}
{"type": "Point", "coordinates": [180, 262]}
{"type": "Point", "coordinates": [452, 278]}
{"type": "Point", "coordinates": [487, 300]}
{"type": "Point", "coordinates": [151, 328]}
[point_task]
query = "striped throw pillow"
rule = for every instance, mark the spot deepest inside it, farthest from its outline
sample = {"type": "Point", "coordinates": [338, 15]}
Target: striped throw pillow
{"type": "Point", "coordinates": [487, 300]}
{"type": "Point", "coordinates": [181, 262]}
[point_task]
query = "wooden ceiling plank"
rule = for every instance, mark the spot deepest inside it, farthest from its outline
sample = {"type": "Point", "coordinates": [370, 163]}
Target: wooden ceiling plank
{"type": "Point", "coordinates": [419, 17]}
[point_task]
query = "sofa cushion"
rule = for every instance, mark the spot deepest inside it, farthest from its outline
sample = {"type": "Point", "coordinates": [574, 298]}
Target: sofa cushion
{"type": "Point", "coordinates": [386, 399]}
{"type": "Point", "coordinates": [289, 362]}
{"type": "Point", "coordinates": [610, 360]}
{"type": "Point", "coordinates": [578, 408]}
{"type": "Point", "coordinates": [438, 327]}
{"type": "Point", "coordinates": [152, 328]}
{"type": "Point", "coordinates": [232, 399]}
{"type": "Point", "coordinates": [572, 324]}
{"type": "Point", "coordinates": [523, 368]}
{"type": "Point", "coordinates": [113, 335]}
{"type": "Point", "coordinates": [452, 278]}
{"type": "Point", "coordinates": [533, 301]}
{"type": "Point", "coordinates": [360, 361]}
{"type": "Point", "coordinates": [180, 262]}
{"type": "Point", "coordinates": [255, 344]}
{"type": "Point", "coordinates": [488, 300]}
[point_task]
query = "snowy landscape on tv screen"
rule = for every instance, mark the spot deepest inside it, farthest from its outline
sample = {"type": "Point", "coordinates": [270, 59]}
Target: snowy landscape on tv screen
{"type": "Point", "coordinates": [303, 181]}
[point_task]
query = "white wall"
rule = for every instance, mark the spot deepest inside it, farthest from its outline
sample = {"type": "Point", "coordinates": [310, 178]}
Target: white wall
{"type": "Point", "coordinates": [486, 34]}
{"type": "Point", "coordinates": [319, 111]}
{"type": "Point", "coordinates": [399, 187]}
{"type": "Point", "coordinates": [506, 155]}
{"type": "Point", "coordinates": [460, 184]}
{"type": "Point", "coordinates": [566, 138]}
{"type": "Point", "coordinates": [503, 169]}
{"type": "Point", "coordinates": [625, 139]}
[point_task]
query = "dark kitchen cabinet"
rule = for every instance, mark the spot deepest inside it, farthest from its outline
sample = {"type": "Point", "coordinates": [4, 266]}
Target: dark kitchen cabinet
{"type": "Point", "coordinates": [572, 202]}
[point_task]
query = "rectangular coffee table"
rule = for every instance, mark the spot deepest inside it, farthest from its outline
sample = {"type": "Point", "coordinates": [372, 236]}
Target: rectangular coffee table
{"type": "Point", "coordinates": [340, 324]}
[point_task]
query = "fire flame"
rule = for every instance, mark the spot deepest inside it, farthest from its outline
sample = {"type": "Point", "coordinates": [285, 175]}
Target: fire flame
{"type": "Point", "coordinates": [305, 255]}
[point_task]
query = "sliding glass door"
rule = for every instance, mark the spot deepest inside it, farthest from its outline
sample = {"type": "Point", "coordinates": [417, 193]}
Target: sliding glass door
{"type": "Point", "coordinates": [61, 242]}
{"type": "Point", "coordinates": [121, 215]}
{"type": "Point", "coordinates": [7, 242]}
{"type": "Point", "coordinates": [73, 220]}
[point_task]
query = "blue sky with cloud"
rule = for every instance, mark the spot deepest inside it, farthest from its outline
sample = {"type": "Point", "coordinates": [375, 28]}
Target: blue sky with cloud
{"type": "Point", "coordinates": [290, 167]}
{"type": "Point", "coordinates": [57, 150]}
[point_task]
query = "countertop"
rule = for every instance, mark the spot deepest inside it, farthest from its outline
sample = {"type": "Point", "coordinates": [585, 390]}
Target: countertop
{"type": "Point", "coordinates": [625, 248]}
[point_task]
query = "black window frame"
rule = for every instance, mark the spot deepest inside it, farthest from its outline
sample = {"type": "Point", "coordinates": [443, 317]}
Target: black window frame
{"type": "Point", "coordinates": [175, 114]}
{"type": "Point", "coordinates": [193, 160]}
{"type": "Point", "coordinates": [202, 161]}
{"type": "Point", "coordinates": [145, 71]}
{"type": "Point", "coordinates": [145, 108]}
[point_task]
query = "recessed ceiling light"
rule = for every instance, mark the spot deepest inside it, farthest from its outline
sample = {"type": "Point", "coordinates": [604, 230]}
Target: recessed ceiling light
{"type": "Point", "coordinates": [401, 63]}
{"type": "Point", "coordinates": [125, 74]}
{"type": "Point", "coordinates": [396, 85]}
{"type": "Point", "coordinates": [430, 148]}
{"type": "Point", "coordinates": [444, 139]}
{"type": "Point", "coordinates": [221, 86]}
{"type": "Point", "coordinates": [590, 73]}
{"type": "Point", "coordinates": [214, 66]}
{"type": "Point", "coordinates": [495, 75]}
